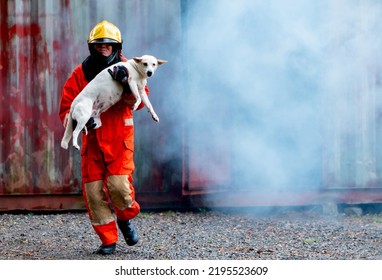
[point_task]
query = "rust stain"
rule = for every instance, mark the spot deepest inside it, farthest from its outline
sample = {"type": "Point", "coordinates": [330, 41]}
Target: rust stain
{"type": "Point", "coordinates": [30, 158]}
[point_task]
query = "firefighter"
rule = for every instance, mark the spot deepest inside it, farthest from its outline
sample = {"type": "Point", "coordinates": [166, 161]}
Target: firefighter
{"type": "Point", "coordinates": [107, 152]}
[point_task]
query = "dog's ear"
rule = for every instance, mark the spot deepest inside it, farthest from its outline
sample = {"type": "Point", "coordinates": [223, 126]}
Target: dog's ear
{"type": "Point", "coordinates": [137, 59]}
{"type": "Point", "coordinates": [161, 61]}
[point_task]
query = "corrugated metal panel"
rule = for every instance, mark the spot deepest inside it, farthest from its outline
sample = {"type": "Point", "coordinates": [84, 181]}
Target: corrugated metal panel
{"type": "Point", "coordinates": [300, 122]}
{"type": "Point", "coordinates": [41, 43]}
{"type": "Point", "coordinates": [353, 101]}
{"type": "Point", "coordinates": [35, 59]}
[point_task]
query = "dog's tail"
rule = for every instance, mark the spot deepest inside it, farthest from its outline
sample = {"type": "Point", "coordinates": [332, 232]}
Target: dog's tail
{"type": "Point", "coordinates": [68, 133]}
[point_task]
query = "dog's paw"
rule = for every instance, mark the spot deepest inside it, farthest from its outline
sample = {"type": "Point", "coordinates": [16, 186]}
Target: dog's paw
{"type": "Point", "coordinates": [155, 117]}
{"type": "Point", "coordinates": [98, 123]}
{"type": "Point", "coordinates": [64, 145]}
{"type": "Point", "coordinates": [135, 107]}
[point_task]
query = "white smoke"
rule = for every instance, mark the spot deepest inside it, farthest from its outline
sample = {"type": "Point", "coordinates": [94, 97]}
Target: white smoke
{"type": "Point", "coordinates": [262, 77]}
{"type": "Point", "coordinates": [272, 95]}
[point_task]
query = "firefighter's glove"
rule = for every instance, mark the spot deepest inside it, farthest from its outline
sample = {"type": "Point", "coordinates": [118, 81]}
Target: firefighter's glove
{"type": "Point", "coordinates": [121, 75]}
{"type": "Point", "coordinates": [89, 125]}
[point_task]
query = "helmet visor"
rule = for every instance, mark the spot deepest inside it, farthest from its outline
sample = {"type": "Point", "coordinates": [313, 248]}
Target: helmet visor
{"type": "Point", "coordinates": [103, 41]}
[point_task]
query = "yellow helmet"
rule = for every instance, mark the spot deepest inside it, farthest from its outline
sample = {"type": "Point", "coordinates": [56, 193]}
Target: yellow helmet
{"type": "Point", "coordinates": [105, 32]}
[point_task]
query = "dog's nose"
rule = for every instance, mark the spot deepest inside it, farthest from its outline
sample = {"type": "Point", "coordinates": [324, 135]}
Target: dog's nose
{"type": "Point", "coordinates": [149, 73]}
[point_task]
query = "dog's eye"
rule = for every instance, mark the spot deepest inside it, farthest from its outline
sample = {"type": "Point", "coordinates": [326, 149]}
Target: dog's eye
{"type": "Point", "coordinates": [145, 64]}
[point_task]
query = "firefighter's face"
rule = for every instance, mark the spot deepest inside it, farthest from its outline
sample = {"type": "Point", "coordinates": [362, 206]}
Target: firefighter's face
{"type": "Point", "coordinates": [104, 49]}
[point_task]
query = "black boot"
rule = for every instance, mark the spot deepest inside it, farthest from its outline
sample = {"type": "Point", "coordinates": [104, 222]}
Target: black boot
{"type": "Point", "coordinates": [106, 249]}
{"type": "Point", "coordinates": [129, 232]}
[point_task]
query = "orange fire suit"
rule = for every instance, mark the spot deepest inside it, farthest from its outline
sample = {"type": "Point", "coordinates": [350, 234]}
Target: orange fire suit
{"type": "Point", "coordinates": [107, 161]}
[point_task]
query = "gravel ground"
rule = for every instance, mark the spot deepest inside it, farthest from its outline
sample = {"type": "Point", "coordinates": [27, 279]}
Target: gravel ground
{"type": "Point", "coordinates": [199, 235]}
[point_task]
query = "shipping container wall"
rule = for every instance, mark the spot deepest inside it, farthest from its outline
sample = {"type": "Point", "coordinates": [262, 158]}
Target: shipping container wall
{"type": "Point", "coordinates": [41, 43]}
{"type": "Point", "coordinates": [352, 104]}
{"type": "Point", "coordinates": [36, 57]}
{"type": "Point", "coordinates": [262, 103]}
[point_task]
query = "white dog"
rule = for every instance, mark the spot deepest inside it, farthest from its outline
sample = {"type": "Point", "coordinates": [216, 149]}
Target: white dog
{"type": "Point", "coordinates": [103, 92]}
